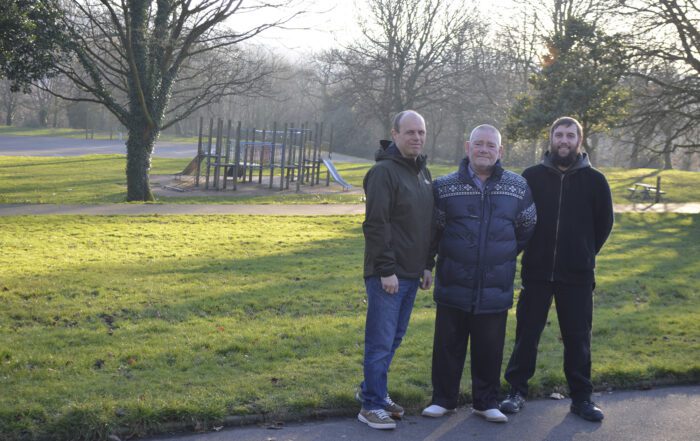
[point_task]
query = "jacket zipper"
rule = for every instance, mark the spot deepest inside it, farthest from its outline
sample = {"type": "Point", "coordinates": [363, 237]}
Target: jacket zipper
{"type": "Point", "coordinates": [480, 284]}
{"type": "Point", "coordinates": [556, 231]}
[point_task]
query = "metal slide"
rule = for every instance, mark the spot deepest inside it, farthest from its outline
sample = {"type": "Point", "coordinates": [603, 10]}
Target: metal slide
{"type": "Point", "coordinates": [336, 176]}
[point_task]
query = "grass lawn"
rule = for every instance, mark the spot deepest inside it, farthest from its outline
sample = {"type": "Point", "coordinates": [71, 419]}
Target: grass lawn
{"type": "Point", "coordinates": [99, 179]}
{"type": "Point", "coordinates": [133, 322]}
{"type": "Point", "coordinates": [80, 134]}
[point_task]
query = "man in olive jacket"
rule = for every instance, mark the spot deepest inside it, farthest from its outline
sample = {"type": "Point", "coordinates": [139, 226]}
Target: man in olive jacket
{"type": "Point", "coordinates": [397, 223]}
{"type": "Point", "coordinates": [574, 219]}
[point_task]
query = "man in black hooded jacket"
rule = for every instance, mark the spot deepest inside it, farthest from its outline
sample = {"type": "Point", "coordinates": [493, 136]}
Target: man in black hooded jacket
{"type": "Point", "coordinates": [574, 219]}
{"type": "Point", "coordinates": [397, 225]}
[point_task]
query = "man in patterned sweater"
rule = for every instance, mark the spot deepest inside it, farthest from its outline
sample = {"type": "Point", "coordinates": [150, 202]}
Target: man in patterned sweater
{"type": "Point", "coordinates": [484, 216]}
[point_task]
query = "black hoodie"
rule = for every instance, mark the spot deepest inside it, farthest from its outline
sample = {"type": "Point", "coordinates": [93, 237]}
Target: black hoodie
{"type": "Point", "coordinates": [574, 219]}
{"type": "Point", "coordinates": [398, 214]}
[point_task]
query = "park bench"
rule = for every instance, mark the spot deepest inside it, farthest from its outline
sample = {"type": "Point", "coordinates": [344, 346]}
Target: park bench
{"type": "Point", "coordinates": [645, 192]}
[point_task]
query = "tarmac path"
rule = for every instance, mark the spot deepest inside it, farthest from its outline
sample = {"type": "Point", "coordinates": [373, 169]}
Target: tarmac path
{"type": "Point", "coordinates": [665, 414]}
{"type": "Point", "coordinates": [57, 146]}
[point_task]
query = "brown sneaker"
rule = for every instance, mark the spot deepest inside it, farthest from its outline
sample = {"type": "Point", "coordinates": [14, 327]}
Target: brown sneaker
{"type": "Point", "coordinates": [390, 406]}
{"type": "Point", "coordinates": [376, 419]}
{"type": "Point", "coordinates": [394, 409]}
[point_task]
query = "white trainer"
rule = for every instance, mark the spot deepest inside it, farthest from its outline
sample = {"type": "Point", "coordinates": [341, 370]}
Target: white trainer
{"type": "Point", "coordinates": [435, 411]}
{"type": "Point", "coordinates": [492, 415]}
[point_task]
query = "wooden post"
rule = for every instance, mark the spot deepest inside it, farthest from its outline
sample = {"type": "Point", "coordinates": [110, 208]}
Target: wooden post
{"type": "Point", "coordinates": [246, 147]}
{"type": "Point", "coordinates": [211, 131]}
{"type": "Point", "coordinates": [292, 152]}
{"type": "Point", "coordinates": [272, 152]}
{"type": "Point", "coordinates": [304, 139]}
{"type": "Point", "coordinates": [657, 197]}
{"type": "Point", "coordinates": [330, 143]}
{"type": "Point", "coordinates": [217, 159]}
{"type": "Point", "coordinates": [200, 152]}
{"type": "Point", "coordinates": [330, 148]}
{"type": "Point", "coordinates": [283, 167]}
{"type": "Point", "coordinates": [262, 155]}
{"type": "Point", "coordinates": [237, 156]}
{"type": "Point", "coordinates": [252, 158]}
{"type": "Point", "coordinates": [318, 152]}
{"type": "Point", "coordinates": [300, 159]}
{"type": "Point", "coordinates": [227, 158]}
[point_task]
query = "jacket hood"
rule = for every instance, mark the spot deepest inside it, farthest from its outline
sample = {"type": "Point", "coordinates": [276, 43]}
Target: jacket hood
{"type": "Point", "coordinates": [582, 161]}
{"type": "Point", "coordinates": [389, 151]}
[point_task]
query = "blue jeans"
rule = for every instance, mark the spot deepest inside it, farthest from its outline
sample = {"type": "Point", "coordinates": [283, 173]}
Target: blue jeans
{"type": "Point", "coordinates": [386, 324]}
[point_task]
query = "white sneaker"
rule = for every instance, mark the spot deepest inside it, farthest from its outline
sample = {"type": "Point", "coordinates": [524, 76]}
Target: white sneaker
{"type": "Point", "coordinates": [435, 411]}
{"type": "Point", "coordinates": [492, 415]}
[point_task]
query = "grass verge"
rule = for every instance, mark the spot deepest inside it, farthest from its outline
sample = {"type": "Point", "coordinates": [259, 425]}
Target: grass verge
{"type": "Point", "coordinates": [135, 322]}
{"type": "Point", "coordinates": [99, 179]}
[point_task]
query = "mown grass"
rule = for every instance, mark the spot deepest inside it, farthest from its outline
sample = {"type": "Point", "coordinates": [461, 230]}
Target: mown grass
{"type": "Point", "coordinates": [97, 179]}
{"type": "Point", "coordinates": [80, 133]}
{"type": "Point", "coordinates": [133, 322]}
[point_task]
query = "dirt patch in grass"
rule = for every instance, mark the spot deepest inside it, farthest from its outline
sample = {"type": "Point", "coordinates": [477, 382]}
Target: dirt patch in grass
{"type": "Point", "coordinates": [185, 186]}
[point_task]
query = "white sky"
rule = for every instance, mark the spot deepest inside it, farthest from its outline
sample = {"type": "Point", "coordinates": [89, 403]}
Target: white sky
{"type": "Point", "coordinates": [335, 22]}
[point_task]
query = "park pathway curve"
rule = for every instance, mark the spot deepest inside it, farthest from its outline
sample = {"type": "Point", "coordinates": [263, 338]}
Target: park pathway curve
{"type": "Point", "coordinates": [267, 210]}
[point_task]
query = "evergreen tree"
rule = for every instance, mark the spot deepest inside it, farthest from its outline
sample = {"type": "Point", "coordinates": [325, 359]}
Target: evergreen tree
{"type": "Point", "coordinates": [580, 77]}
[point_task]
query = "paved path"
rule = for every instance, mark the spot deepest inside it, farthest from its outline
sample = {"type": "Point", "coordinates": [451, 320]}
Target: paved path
{"type": "Point", "coordinates": [149, 209]}
{"type": "Point", "coordinates": [250, 209]}
{"type": "Point", "coordinates": [667, 414]}
{"type": "Point", "coordinates": [57, 146]}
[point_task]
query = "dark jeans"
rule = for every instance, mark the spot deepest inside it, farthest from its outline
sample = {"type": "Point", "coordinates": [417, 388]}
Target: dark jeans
{"type": "Point", "coordinates": [387, 320]}
{"type": "Point", "coordinates": [574, 305]}
{"type": "Point", "coordinates": [453, 328]}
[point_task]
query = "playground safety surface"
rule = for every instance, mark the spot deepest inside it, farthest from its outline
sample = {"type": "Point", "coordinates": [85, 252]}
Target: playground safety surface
{"type": "Point", "coordinates": [176, 186]}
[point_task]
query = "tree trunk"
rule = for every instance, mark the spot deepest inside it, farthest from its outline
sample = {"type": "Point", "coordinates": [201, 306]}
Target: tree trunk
{"type": "Point", "coordinates": [534, 156]}
{"type": "Point", "coordinates": [687, 161]}
{"type": "Point", "coordinates": [42, 117]}
{"type": "Point", "coordinates": [139, 148]}
{"type": "Point", "coordinates": [668, 148]}
{"type": "Point", "coordinates": [460, 139]}
{"type": "Point", "coordinates": [10, 107]}
{"type": "Point", "coordinates": [634, 156]}
{"type": "Point", "coordinates": [668, 165]}
{"type": "Point", "coordinates": [591, 148]}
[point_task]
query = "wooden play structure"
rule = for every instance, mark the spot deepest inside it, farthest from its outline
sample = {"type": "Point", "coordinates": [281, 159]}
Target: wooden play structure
{"type": "Point", "coordinates": [276, 157]}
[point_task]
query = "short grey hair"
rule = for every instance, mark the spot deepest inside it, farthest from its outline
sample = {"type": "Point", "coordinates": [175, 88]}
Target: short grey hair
{"type": "Point", "coordinates": [396, 123]}
{"type": "Point", "coordinates": [485, 127]}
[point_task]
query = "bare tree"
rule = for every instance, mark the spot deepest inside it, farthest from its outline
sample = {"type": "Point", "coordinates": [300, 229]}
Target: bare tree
{"type": "Point", "coordinates": [132, 56]}
{"type": "Point", "coordinates": [399, 62]}
{"type": "Point", "coordinates": [666, 51]}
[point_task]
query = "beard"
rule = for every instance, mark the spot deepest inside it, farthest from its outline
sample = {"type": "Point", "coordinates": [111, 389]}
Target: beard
{"type": "Point", "coordinates": [564, 161]}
